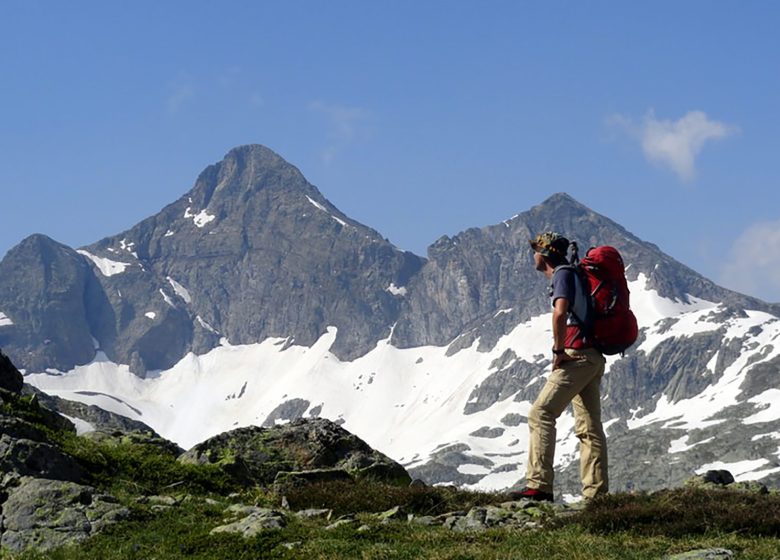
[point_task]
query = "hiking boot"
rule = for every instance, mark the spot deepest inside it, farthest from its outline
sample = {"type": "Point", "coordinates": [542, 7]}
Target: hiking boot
{"type": "Point", "coordinates": [531, 494]}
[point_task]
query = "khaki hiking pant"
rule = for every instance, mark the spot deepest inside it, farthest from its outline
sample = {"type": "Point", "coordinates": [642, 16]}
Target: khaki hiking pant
{"type": "Point", "coordinates": [575, 382]}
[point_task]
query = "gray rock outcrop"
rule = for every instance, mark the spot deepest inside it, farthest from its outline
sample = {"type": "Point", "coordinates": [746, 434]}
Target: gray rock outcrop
{"type": "Point", "coordinates": [45, 514]}
{"type": "Point", "coordinates": [257, 455]}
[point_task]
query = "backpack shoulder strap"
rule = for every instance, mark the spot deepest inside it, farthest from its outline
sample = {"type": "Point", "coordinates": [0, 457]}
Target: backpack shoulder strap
{"type": "Point", "coordinates": [581, 307]}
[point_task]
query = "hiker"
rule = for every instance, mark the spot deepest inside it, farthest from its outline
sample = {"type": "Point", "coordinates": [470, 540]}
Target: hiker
{"type": "Point", "coordinates": [577, 368]}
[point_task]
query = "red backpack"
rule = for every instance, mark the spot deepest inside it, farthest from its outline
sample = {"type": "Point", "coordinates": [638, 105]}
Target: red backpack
{"type": "Point", "coordinates": [613, 326]}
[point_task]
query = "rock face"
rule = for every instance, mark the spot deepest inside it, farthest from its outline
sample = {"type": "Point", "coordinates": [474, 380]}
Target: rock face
{"type": "Point", "coordinates": [252, 251]}
{"type": "Point", "coordinates": [471, 276]}
{"type": "Point", "coordinates": [25, 447]}
{"type": "Point", "coordinates": [257, 455]}
{"type": "Point", "coordinates": [94, 417]}
{"type": "Point", "coordinates": [54, 300]}
{"type": "Point", "coordinates": [44, 514]}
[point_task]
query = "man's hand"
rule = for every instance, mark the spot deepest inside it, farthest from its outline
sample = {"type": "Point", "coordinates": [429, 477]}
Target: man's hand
{"type": "Point", "coordinates": [559, 359]}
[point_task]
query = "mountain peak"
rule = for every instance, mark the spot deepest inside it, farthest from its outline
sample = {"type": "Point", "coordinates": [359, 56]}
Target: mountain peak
{"type": "Point", "coordinates": [244, 169]}
{"type": "Point", "coordinates": [562, 200]}
{"type": "Point", "coordinates": [256, 154]}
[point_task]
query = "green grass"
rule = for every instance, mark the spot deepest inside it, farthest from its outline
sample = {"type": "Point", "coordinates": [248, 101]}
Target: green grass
{"type": "Point", "coordinates": [621, 526]}
{"type": "Point", "coordinates": [125, 468]}
{"type": "Point", "coordinates": [183, 532]}
{"type": "Point", "coordinates": [685, 511]}
{"type": "Point", "coordinates": [368, 496]}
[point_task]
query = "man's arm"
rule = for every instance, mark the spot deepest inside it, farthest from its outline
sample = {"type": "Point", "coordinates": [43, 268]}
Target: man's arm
{"type": "Point", "coordinates": [560, 310]}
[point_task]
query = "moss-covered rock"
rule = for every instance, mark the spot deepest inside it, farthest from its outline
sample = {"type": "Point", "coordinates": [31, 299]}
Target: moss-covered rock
{"type": "Point", "coordinates": [255, 455]}
{"type": "Point", "coordinates": [45, 514]}
{"type": "Point", "coordinates": [134, 437]}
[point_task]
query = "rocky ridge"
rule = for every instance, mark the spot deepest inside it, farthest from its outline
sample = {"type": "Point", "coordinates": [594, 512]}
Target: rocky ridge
{"type": "Point", "coordinates": [253, 234]}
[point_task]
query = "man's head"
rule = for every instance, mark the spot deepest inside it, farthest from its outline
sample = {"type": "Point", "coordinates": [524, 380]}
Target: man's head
{"type": "Point", "coordinates": [549, 249]}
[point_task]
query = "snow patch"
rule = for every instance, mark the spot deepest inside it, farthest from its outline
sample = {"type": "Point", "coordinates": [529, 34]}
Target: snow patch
{"type": "Point", "coordinates": [180, 290]}
{"type": "Point", "coordinates": [150, 314]}
{"type": "Point", "coordinates": [82, 426]}
{"type": "Point", "coordinates": [769, 400]}
{"type": "Point", "coordinates": [5, 320]}
{"type": "Point", "coordinates": [395, 290]}
{"type": "Point", "coordinates": [205, 325]}
{"type": "Point", "coordinates": [200, 219]}
{"type": "Point", "coordinates": [473, 469]}
{"type": "Point", "coordinates": [680, 445]}
{"type": "Point", "coordinates": [168, 233]}
{"type": "Point", "coordinates": [107, 267]}
{"type": "Point", "coordinates": [740, 469]}
{"type": "Point", "coordinates": [321, 207]}
{"type": "Point", "coordinates": [125, 246]}
{"type": "Point", "coordinates": [203, 218]}
{"type": "Point", "coordinates": [166, 298]}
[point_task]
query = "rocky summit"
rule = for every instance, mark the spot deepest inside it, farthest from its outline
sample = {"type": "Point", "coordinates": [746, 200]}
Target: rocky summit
{"type": "Point", "coordinates": [253, 301]}
{"type": "Point", "coordinates": [252, 251]}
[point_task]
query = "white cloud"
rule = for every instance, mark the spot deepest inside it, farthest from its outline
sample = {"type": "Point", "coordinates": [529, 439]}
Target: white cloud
{"type": "Point", "coordinates": [753, 264]}
{"type": "Point", "coordinates": [674, 144]}
{"type": "Point", "coordinates": [346, 126]}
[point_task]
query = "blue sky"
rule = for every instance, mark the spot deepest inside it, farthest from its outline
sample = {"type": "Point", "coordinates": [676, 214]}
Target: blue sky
{"type": "Point", "coordinates": [417, 118]}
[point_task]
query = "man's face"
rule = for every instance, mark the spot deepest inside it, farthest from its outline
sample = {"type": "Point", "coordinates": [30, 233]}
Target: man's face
{"type": "Point", "coordinates": [539, 263]}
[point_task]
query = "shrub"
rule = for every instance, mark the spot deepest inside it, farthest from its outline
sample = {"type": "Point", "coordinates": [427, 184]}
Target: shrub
{"type": "Point", "coordinates": [369, 496]}
{"type": "Point", "coordinates": [684, 511]}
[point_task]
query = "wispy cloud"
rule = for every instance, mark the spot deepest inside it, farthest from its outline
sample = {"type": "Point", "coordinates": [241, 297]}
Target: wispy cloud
{"type": "Point", "coordinates": [673, 144]}
{"type": "Point", "coordinates": [346, 126]}
{"type": "Point", "coordinates": [753, 264]}
{"type": "Point", "coordinates": [180, 91]}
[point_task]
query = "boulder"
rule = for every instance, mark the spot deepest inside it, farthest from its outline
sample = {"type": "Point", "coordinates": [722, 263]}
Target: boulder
{"type": "Point", "coordinates": [285, 481]}
{"type": "Point", "coordinates": [27, 457]}
{"type": "Point", "coordinates": [703, 554]}
{"type": "Point", "coordinates": [45, 514]}
{"type": "Point", "coordinates": [722, 477]}
{"type": "Point", "coordinates": [255, 455]}
{"type": "Point", "coordinates": [395, 514]}
{"type": "Point", "coordinates": [255, 523]}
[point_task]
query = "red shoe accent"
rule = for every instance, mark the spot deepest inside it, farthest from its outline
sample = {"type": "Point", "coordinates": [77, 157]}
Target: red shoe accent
{"type": "Point", "coordinates": [531, 494]}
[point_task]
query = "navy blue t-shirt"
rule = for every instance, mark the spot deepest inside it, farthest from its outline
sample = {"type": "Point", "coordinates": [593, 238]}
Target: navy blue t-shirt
{"type": "Point", "coordinates": [565, 284]}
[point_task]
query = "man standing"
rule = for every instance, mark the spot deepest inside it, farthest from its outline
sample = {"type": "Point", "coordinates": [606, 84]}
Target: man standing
{"type": "Point", "coordinates": [577, 368]}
